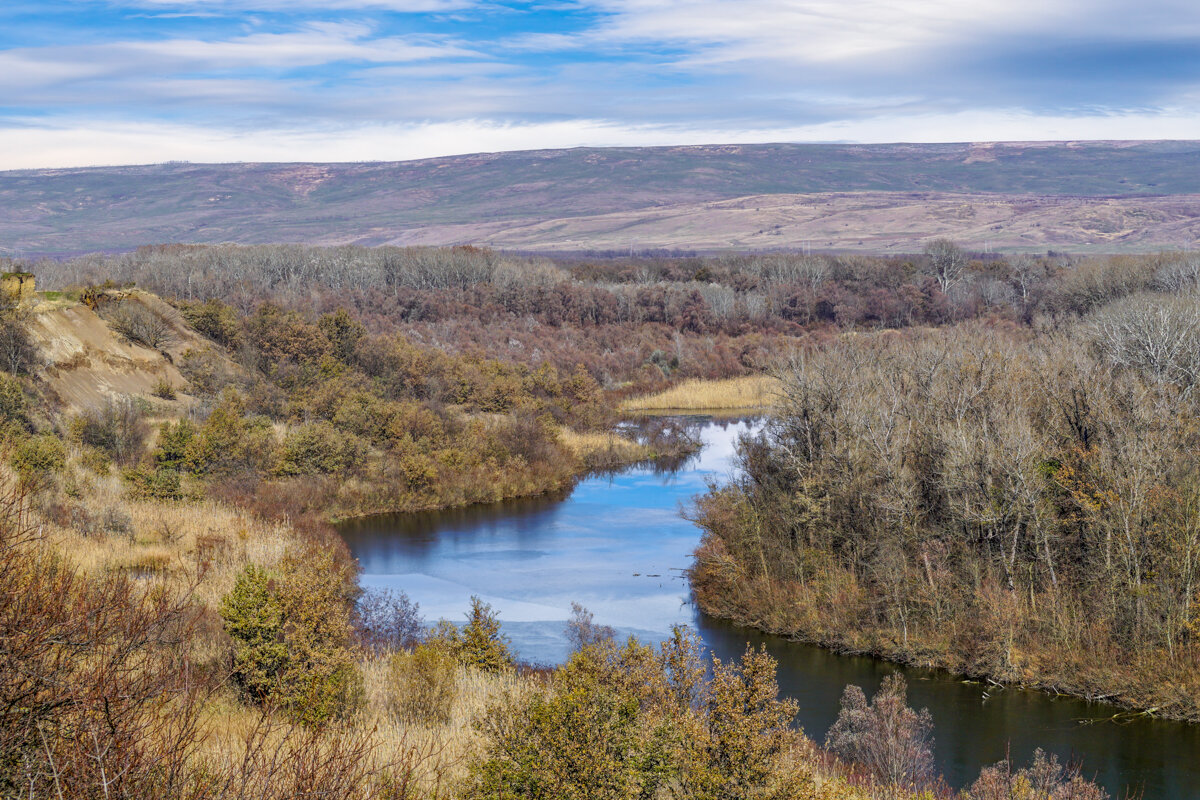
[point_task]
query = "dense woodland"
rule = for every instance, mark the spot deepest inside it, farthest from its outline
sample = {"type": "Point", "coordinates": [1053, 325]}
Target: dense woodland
{"type": "Point", "coordinates": [182, 623]}
{"type": "Point", "coordinates": [1014, 501]}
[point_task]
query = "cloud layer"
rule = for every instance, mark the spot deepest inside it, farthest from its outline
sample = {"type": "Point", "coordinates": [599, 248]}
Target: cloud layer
{"type": "Point", "coordinates": [119, 81]}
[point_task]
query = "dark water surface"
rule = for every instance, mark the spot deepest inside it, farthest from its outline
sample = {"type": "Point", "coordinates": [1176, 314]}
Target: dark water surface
{"type": "Point", "coordinates": [618, 545]}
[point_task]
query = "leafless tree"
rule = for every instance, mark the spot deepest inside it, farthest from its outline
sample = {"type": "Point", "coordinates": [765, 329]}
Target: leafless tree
{"type": "Point", "coordinates": [947, 261]}
{"type": "Point", "coordinates": [885, 736]}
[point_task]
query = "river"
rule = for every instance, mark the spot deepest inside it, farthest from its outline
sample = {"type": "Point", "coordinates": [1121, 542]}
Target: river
{"type": "Point", "coordinates": [619, 545]}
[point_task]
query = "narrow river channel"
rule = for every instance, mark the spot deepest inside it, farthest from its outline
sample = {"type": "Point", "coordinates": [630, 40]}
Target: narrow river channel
{"type": "Point", "coordinates": [619, 545]}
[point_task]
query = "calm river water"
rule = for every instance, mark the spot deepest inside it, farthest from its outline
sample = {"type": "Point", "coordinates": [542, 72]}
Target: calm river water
{"type": "Point", "coordinates": [618, 545]}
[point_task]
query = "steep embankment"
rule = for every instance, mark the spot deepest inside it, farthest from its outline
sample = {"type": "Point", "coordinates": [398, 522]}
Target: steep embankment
{"type": "Point", "coordinates": [85, 361]}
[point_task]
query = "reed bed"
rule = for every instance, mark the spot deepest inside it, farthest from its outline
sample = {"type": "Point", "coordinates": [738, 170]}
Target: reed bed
{"type": "Point", "coordinates": [748, 392]}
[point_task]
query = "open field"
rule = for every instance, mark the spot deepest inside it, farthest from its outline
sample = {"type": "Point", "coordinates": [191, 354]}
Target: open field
{"type": "Point", "coordinates": [750, 392]}
{"type": "Point", "coordinates": [1097, 195]}
{"type": "Point", "coordinates": [874, 222]}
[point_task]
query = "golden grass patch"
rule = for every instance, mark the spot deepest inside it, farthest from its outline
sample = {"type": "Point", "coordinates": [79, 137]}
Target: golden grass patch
{"type": "Point", "coordinates": [587, 445]}
{"type": "Point", "coordinates": [749, 392]}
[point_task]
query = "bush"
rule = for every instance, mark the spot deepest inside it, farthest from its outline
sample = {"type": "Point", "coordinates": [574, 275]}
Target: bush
{"type": "Point", "coordinates": [582, 630]}
{"type": "Point", "coordinates": [479, 644]}
{"type": "Point", "coordinates": [423, 684]}
{"type": "Point", "coordinates": [118, 428]}
{"type": "Point", "coordinates": [164, 389]}
{"type": "Point", "coordinates": [627, 722]}
{"type": "Point", "coordinates": [36, 458]}
{"type": "Point", "coordinates": [388, 621]}
{"type": "Point", "coordinates": [253, 615]}
{"type": "Point", "coordinates": [319, 449]}
{"type": "Point", "coordinates": [292, 635]}
{"type": "Point", "coordinates": [17, 354]}
{"type": "Point", "coordinates": [885, 736]}
{"type": "Point", "coordinates": [214, 319]}
{"type": "Point", "coordinates": [141, 325]}
{"type": "Point", "coordinates": [157, 483]}
{"type": "Point", "coordinates": [230, 442]}
{"type": "Point", "coordinates": [13, 406]}
{"type": "Point", "coordinates": [1046, 779]}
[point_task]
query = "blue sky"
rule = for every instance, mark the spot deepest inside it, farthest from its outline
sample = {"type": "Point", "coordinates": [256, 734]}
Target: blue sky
{"type": "Point", "coordinates": [134, 81]}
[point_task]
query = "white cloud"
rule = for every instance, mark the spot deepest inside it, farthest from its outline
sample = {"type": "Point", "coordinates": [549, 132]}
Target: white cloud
{"type": "Point", "coordinates": [37, 145]}
{"type": "Point", "coordinates": [816, 31]}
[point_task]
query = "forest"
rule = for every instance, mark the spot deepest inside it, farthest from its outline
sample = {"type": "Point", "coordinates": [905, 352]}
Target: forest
{"type": "Point", "coordinates": [1016, 502]}
{"type": "Point", "coordinates": [974, 462]}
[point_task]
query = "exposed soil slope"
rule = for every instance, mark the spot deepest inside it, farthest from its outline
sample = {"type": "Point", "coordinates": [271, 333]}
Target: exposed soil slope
{"type": "Point", "coordinates": [85, 362]}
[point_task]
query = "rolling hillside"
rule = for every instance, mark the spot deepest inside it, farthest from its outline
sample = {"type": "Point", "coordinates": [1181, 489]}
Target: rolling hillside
{"type": "Point", "coordinates": [619, 197]}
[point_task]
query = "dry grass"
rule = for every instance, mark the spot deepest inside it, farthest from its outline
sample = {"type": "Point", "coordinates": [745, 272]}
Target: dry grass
{"type": "Point", "coordinates": [443, 751]}
{"type": "Point", "coordinates": [201, 545]}
{"type": "Point", "coordinates": [590, 445]}
{"type": "Point", "coordinates": [750, 392]}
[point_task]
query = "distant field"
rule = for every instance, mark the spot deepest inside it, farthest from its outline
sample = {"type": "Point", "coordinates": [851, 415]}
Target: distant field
{"type": "Point", "coordinates": [1094, 195]}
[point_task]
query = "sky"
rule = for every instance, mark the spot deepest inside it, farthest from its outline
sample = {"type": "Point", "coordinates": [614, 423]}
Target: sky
{"type": "Point", "coordinates": [99, 82]}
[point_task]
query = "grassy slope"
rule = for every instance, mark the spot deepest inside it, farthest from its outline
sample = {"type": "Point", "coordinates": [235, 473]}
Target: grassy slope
{"type": "Point", "coordinates": [63, 211]}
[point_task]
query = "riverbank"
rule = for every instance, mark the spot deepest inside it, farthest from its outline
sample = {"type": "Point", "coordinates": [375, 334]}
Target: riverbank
{"type": "Point", "coordinates": [1154, 688]}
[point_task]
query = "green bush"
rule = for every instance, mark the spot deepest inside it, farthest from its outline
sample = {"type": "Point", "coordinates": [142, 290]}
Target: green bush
{"type": "Point", "coordinates": [36, 458]}
{"type": "Point", "coordinates": [230, 442]}
{"type": "Point", "coordinates": [423, 684]}
{"type": "Point", "coordinates": [624, 722]}
{"type": "Point", "coordinates": [157, 483]}
{"type": "Point", "coordinates": [319, 449]}
{"type": "Point", "coordinates": [253, 615]}
{"type": "Point", "coordinates": [479, 644]}
{"type": "Point", "coordinates": [13, 406]}
{"type": "Point", "coordinates": [292, 635]}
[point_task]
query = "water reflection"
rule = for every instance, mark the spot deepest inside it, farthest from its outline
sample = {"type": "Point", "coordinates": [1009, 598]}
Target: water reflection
{"type": "Point", "coordinates": [618, 545]}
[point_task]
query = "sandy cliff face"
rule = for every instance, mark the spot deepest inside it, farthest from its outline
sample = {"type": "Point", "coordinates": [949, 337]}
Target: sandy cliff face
{"type": "Point", "coordinates": [85, 362]}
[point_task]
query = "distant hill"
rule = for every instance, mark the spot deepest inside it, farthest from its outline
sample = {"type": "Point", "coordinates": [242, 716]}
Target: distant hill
{"type": "Point", "coordinates": [619, 197]}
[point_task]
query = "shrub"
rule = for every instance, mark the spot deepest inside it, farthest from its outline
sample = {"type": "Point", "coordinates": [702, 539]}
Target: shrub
{"type": "Point", "coordinates": [318, 448]}
{"type": "Point", "coordinates": [158, 483]}
{"type": "Point", "coordinates": [174, 441]}
{"type": "Point", "coordinates": [343, 332]}
{"type": "Point", "coordinates": [582, 630]}
{"type": "Point", "coordinates": [253, 615]}
{"type": "Point", "coordinates": [96, 460]}
{"type": "Point", "coordinates": [291, 637]}
{"type": "Point", "coordinates": [885, 736]}
{"type": "Point", "coordinates": [627, 722]}
{"type": "Point", "coordinates": [1045, 779]}
{"type": "Point", "coordinates": [214, 319]}
{"type": "Point", "coordinates": [14, 409]}
{"type": "Point", "coordinates": [388, 621]}
{"type": "Point", "coordinates": [229, 442]}
{"type": "Point", "coordinates": [423, 684]}
{"type": "Point", "coordinates": [118, 428]}
{"type": "Point", "coordinates": [164, 389]}
{"type": "Point", "coordinates": [36, 458]}
{"type": "Point", "coordinates": [17, 354]}
{"type": "Point", "coordinates": [479, 644]}
{"type": "Point", "coordinates": [141, 325]}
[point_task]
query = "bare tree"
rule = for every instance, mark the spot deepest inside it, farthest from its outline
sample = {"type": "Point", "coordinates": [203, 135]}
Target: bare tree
{"type": "Point", "coordinates": [1157, 336]}
{"type": "Point", "coordinates": [142, 325]}
{"type": "Point", "coordinates": [887, 737]}
{"type": "Point", "coordinates": [947, 261]}
{"type": "Point", "coordinates": [582, 630]}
